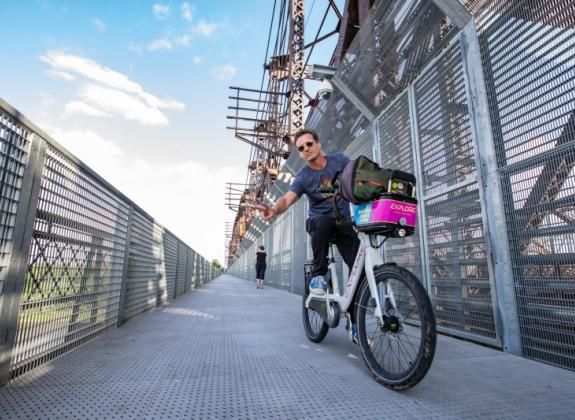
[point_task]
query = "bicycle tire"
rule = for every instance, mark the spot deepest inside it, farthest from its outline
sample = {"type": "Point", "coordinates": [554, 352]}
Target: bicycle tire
{"type": "Point", "coordinates": [381, 345]}
{"type": "Point", "coordinates": [315, 327]}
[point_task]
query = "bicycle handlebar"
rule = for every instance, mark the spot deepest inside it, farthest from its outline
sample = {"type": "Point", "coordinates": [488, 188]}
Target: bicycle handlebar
{"type": "Point", "coordinates": [326, 190]}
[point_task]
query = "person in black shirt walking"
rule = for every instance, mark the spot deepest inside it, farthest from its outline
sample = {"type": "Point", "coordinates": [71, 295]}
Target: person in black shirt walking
{"type": "Point", "coordinates": [260, 267]}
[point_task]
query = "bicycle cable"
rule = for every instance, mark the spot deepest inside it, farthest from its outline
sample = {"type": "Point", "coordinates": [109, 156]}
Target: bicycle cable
{"type": "Point", "coordinates": [374, 237]}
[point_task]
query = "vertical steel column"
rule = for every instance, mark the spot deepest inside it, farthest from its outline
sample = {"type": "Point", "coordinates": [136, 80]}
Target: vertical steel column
{"type": "Point", "coordinates": [292, 259]}
{"type": "Point", "coordinates": [177, 267]}
{"type": "Point", "coordinates": [22, 237]}
{"type": "Point", "coordinates": [491, 194]}
{"type": "Point", "coordinates": [125, 266]}
{"type": "Point", "coordinates": [161, 283]}
{"type": "Point", "coordinates": [187, 276]}
{"type": "Point", "coordinates": [296, 66]}
{"type": "Point", "coordinates": [418, 168]}
{"type": "Point", "coordinates": [376, 154]}
{"type": "Point", "coordinates": [376, 147]}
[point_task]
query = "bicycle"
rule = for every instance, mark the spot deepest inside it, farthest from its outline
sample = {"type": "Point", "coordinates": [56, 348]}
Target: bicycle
{"type": "Point", "coordinates": [395, 323]}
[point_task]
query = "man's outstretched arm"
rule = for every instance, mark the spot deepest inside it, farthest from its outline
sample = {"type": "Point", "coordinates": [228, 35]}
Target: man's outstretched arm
{"type": "Point", "coordinates": [280, 206]}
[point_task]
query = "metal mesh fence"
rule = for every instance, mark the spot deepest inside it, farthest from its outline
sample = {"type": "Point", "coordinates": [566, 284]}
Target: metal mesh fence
{"type": "Point", "coordinates": [407, 64]}
{"type": "Point", "coordinates": [474, 6]}
{"type": "Point", "coordinates": [454, 233]}
{"type": "Point", "coordinates": [286, 249]}
{"type": "Point", "coordinates": [395, 145]}
{"type": "Point", "coordinates": [15, 142]}
{"type": "Point", "coordinates": [144, 265]}
{"type": "Point", "coordinates": [399, 38]}
{"type": "Point", "coordinates": [80, 236]}
{"type": "Point", "coordinates": [192, 263]}
{"type": "Point", "coordinates": [72, 288]}
{"type": "Point", "coordinates": [299, 247]}
{"type": "Point", "coordinates": [528, 55]}
{"type": "Point", "coordinates": [181, 269]}
{"type": "Point", "coordinates": [171, 258]}
{"type": "Point", "coordinates": [362, 145]}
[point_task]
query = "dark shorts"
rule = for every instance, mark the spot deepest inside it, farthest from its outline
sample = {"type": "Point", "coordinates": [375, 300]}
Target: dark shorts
{"type": "Point", "coordinates": [260, 271]}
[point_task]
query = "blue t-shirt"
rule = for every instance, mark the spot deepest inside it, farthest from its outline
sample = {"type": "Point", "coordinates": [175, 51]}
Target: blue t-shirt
{"type": "Point", "coordinates": [308, 180]}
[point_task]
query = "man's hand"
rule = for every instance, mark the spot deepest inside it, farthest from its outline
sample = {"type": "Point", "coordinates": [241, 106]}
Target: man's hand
{"type": "Point", "coordinates": [267, 212]}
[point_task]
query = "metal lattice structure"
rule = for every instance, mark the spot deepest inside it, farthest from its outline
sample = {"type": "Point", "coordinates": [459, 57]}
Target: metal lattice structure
{"type": "Point", "coordinates": [296, 66]}
{"type": "Point", "coordinates": [527, 51]}
{"type": "Point", "coordinates": [77, 257]}
{"type": "Point", "coordinates": [482, 111]}
{"type": "Point", "coordinates": [267, 119]}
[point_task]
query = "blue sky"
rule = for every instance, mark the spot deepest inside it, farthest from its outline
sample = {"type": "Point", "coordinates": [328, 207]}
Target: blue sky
{"type": "Point", "coordinates": [139, 91]}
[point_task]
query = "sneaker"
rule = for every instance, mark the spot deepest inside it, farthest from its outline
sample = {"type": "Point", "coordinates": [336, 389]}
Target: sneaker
{"type": "Point", "coordinates": [317, 286]}
{"type": "Point", "coordinates": [353, 334]}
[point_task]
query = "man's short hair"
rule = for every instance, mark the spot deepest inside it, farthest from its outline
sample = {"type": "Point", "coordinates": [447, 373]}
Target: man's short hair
{"type": "Point", "coordinates": [305, 131]}
{"type": "Point", "coordinates": [262, 247]}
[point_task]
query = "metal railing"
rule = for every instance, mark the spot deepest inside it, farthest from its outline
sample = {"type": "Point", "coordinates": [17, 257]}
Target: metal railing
{"type": "Point", "coordinates": [77, 257]}
{"type": "Point", "coordinates": [484, 114]}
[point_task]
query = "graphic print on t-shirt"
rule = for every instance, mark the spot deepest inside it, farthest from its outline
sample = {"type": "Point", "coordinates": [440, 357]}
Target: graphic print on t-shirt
{"type": "Point", "coordinates": [325, 183]}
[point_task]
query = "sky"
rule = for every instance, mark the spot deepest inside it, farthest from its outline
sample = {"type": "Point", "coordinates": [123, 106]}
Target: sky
{"type": "Point", "coordinates": [138, 90]}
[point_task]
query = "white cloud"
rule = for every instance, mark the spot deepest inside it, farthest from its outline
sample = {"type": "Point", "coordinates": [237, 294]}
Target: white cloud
{"type": "Point", "coordinates": [116, 102]}
{"type": "Point", "coordinates": [111, 92]}
{"type": "Point", "coordinates": [101, 155]}
{"type": "Point", "coordinates": [61, 75]}
{"type": "Point", "coordinates": [187, 10]}
{"type": "Point", "coordinates": [205, 28]}
{"type": "Point", "coordinates": [184, 40]}
{"type": "Point", "coordinates": [197, 59]}
{"type": "Point", "coordinates": [161, 11]}
{"type": "Point", "coordinates": [100, 26]}
{"type": "Point", "coordinates": [225, 72]}
{"type": "Point", "coordinates": [169, 192]}
{"type": "Point", "coordinates": [79, 107]}
{"type": "Point", "coordinates": [160, 44]}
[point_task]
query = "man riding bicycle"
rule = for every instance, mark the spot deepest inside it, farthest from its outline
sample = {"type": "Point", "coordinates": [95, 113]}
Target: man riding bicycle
{"type": "Point", "coordinates": [322, 223]}
{"type": "Point", "coordinates": [395, 328]}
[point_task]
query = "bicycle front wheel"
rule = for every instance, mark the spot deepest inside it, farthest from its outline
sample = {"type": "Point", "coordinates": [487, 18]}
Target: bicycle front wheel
{"type": "Point", "coordinates": [315, 327]}
{"type": "Point", "coordinates": [398, 349]}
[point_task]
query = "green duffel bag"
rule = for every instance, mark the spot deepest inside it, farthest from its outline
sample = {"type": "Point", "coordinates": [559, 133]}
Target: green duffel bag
{"type": "Point", "coordinates": [362, 180]}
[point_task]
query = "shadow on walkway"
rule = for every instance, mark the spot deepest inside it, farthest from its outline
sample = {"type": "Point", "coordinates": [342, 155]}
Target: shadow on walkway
{"type": "Point", "coordinates": [229, 350]}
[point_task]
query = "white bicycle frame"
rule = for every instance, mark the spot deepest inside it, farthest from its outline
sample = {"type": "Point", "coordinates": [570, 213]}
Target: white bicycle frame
{"type": "Point", "coordinates": [367, 257]}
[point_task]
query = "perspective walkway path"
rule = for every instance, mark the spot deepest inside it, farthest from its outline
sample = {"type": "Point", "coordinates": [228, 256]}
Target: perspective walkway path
{"type": "Point", "coordinates": [230, 351]}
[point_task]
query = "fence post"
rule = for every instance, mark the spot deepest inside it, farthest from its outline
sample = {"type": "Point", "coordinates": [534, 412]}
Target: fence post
{"type": "Point", "coordinates": [177, 270]}
{"type": "Point", "coordinates": [125, 268]}
{"type": "Point", "coordinates": [21, 239]}
{"type": "Point", "coordinates": [497, 240]}
{"type": "Point", "coordinates": [419, 170]}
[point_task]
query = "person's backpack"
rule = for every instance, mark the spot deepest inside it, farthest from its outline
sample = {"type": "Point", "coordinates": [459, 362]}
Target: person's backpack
{"type": "Point", "coordinates": [362, 180]}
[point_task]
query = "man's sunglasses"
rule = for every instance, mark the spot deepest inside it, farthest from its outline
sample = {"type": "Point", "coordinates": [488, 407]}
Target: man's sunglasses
{"type": "Point", "coordinates": [307, 143]}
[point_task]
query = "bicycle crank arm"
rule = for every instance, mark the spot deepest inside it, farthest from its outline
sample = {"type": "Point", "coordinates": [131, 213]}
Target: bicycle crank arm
{"type": "Point", "coordinates": [318, 305]}
{"type": "Point", "coordinates": [330, 315]}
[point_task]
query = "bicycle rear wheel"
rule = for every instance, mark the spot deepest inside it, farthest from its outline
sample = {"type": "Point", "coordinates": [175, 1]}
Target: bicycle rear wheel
{"type": "Point", "coordinates": [400, 350]}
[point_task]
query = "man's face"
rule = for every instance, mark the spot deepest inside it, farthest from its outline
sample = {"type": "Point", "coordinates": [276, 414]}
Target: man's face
{"type": "Point", "coordinates": [307, 147]}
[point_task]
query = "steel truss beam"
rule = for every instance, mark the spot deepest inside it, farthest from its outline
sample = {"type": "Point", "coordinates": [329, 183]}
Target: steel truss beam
{"type": "Point", "coordinates": [296, 68]}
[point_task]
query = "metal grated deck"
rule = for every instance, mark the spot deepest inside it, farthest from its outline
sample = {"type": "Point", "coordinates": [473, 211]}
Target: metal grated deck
{"type": "Point", "coordinates": [229, 351]}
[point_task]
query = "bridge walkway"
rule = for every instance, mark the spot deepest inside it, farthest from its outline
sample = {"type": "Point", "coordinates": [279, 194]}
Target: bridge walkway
{"type": "Point", "coordinates": [230, 351]}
